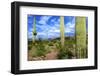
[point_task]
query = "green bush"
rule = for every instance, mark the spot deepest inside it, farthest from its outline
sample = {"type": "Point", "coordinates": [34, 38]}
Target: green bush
{"type": "Point", "coordinates": [29, 47]}
{"type": "Point", "coordinates": [65, 54]}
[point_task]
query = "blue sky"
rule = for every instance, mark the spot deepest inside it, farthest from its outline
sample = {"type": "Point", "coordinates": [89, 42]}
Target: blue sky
{"type": "Point", "coordinates": [49, 26]}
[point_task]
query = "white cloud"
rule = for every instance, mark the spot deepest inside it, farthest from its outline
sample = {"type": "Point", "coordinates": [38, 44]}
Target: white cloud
{"type": "Point", "coordinates": [52, 30]}
{"type": "Point", "coordinates": [53, 35]}
{"type": "Point", "coordinates": [53, 20]}
{"type": "Point", "coordinates": [30, 35]}
{"type": "Point", "coordinates": [69, 27]}
{"type": "Point", "coordinates": [44, 19]}
{"type": "Point", "coordinates": [57, 30]}
{"type": "Point", "coordinates": [49, 31]}
{"type": "Point", "coordinates": [41, 33]}
{"type": "Point", "coordinates": [69, 30]}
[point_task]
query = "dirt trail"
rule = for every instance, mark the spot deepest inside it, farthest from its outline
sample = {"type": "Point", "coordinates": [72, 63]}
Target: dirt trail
{"type": "Point", "coordinates": [51, 56]}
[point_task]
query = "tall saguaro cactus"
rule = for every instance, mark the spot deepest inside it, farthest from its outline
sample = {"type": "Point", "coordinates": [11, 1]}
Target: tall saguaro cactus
{"type": "Point", "coordinates": [62, 31]}
{"type": "Point", "coordinates": [34, 29]}
{"type": "Point", "coordinates": [81, 37]}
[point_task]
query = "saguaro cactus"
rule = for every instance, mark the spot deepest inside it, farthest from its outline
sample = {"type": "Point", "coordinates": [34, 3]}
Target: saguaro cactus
{"type": "Point", "coordinates": [34, 29]}
{"type": "Point", "coordinates": [81, 37]}
{"type": "Point", "coordinates": [62, 31]}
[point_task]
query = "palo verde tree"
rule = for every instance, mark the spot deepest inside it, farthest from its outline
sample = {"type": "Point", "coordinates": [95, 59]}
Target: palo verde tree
{"type": "Point", "coordinates": [81, 37]}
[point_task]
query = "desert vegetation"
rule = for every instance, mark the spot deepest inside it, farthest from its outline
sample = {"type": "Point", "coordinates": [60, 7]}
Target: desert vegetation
{"type": "Point", "coordinates": [63, 47]}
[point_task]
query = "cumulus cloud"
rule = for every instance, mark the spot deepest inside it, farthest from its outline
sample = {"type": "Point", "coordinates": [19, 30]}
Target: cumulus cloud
{"type": "Point", "coordinates": [44, 19]}
{"type": "Point", "coordinates": [70, 26]}
{"type": "Point", "coordinates": [49, 27]}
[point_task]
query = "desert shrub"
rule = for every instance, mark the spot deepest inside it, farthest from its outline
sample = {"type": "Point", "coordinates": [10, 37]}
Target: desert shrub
{"type": "Point", "coordinates": [50, 43]}
{"type": "Point", "coordinates": [29, 47]}
{"type": "Point", "coordinates": [65, 53]}
{"type": "Point", "coordinates": [40, 50]}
